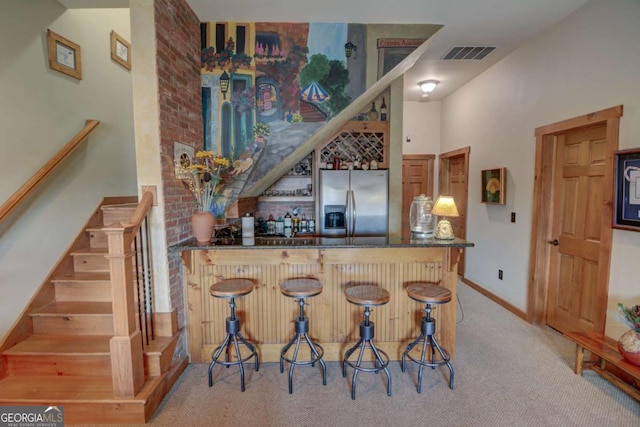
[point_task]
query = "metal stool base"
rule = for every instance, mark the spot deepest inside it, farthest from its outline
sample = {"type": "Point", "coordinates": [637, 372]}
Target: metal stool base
{"type": "Point", "coordinates": [428, 340]}
{"type": "Point", "coordinates": [235, 338]}
{"type": "Point", "coordinates": [366, 342]}
{"type": "Point", "coordinates": [316, 356]}
{"type": "Point", "coordinates": [302, 335]}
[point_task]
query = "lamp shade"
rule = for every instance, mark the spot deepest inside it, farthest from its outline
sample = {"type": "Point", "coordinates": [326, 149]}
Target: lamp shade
{"type": "Point", "coordinates": [445, 206]}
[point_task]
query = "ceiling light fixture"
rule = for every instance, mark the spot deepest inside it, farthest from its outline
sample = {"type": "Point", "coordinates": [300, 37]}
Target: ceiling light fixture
{"type": "Point", "coordinates": [428, 86]}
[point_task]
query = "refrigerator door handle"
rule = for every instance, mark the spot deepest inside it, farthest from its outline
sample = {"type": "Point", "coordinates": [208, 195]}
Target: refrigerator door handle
{"type": "Point", "coordinates": [353, 213]}
{"type": "Point", "coordinates": [347, 214]}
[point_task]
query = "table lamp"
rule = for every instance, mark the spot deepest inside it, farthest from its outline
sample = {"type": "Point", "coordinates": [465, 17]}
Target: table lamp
{"type": "Point", "coordinates": [444, 207]}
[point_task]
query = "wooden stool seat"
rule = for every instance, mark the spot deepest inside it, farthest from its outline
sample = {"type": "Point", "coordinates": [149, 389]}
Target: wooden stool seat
{"type": "Point", "coordinates": [301, 288]}
{"type": "Point", "coordinates": [231, 288]}
{"type": "Point", "coordinates": [429, 293]}
{"type": "Point", "coordinates": [367, 295]}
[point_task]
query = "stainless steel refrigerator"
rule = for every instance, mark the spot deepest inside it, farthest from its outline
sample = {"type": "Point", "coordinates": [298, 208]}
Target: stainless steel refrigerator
{"type": "Point", "coordinates": [354, 203]}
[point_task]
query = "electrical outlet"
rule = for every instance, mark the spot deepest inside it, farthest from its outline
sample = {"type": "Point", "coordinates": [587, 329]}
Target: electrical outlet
{"type": "Point", "coordinates": [500, 274]}
{"type": "Point", "coordinates": [513, 217]}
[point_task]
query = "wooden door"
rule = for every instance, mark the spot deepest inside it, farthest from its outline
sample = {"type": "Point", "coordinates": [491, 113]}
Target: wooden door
{"type": "Point", "coordinates": [453, 181]}
{"type": "Point", "coordinates": [417, 178]}
{"type": "Point", "coordinates": [573, 302]}
{"type": "Point", "coordinates": [572, 216]}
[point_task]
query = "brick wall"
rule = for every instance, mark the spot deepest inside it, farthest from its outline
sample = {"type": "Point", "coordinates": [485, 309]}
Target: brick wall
{"type": "Point", "coordinates": [180, 102]}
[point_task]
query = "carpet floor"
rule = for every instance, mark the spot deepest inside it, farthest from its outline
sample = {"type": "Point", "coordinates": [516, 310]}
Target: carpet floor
{"type": "Point", "coordinates": [507, 373]}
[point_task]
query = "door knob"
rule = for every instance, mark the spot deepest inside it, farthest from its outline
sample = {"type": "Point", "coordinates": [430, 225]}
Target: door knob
{"type": "Point", "coordinates": [554, 242]}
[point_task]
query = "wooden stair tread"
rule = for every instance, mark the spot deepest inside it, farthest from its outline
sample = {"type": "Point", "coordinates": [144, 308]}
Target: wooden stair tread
{"type": "Point", "coordinates": [62, 345]}
{"type": "Point", "coordinates": [90, 251]}
{"type": "Point", "coordinates": [67, 389]}
{"type": "Point", "coordinates": [83, 276]}
{"type": "Point", "coordinates": [121, 206]}
{"type": "Point", "coordinates": [83, 308]}
{"type": "Point", "coordinates": [158, 344]}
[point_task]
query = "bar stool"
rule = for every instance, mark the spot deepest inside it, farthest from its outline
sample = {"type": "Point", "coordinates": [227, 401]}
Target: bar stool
{"type": "Point", "coordinates": [366, 296]}
{"type": "Point", "coordinates": [232, 289]}
{"type": "Point", "coordinates": [429, 294]}
{"type": "Point", "coordinates": [302, 288]}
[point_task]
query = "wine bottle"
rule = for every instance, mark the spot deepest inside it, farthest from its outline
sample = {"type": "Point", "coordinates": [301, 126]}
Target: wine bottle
{"type": "Point", "coordinates": [373, 113]}
{"type": "Point", "coordinates": [383, 111]}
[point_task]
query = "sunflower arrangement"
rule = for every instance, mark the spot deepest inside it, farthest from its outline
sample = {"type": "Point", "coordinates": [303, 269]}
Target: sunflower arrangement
{"type": "Point", "coordinates": [206, 178]}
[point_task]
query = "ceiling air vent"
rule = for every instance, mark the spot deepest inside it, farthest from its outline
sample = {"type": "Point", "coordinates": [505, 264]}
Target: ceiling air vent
{"type": "Point", "coordinates": [469, 52]}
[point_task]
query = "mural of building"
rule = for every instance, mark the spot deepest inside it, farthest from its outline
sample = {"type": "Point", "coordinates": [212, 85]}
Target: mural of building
{"type": "Point", "coordinates": [267, 87]}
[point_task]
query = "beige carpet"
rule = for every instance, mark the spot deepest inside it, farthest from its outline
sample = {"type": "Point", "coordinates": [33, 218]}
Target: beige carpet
{"type": "Point", "coordinates": [507, 373]}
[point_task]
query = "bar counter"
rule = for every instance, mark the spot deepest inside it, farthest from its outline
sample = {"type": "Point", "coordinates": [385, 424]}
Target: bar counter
{"type": "Point", "coordinates": [267, 315]}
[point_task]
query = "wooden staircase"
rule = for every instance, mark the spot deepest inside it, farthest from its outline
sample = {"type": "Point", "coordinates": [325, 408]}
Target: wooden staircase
{"type": "Point", "coordinates": [59, 352]}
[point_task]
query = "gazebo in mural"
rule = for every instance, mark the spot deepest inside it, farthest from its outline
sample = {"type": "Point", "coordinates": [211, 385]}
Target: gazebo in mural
{"type": "Point", "coordinates": [313, 92]}
{"type": "Point", "coordinates": [310, 97]}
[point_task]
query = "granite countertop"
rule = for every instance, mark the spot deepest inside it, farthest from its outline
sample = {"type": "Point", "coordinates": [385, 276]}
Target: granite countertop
{"type": "Point", "coordinates": [313, 242]}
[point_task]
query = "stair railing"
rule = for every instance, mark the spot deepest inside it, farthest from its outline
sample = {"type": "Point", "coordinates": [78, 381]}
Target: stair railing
{"type": "Point", "coordinates": [132, 298]}
{"type": "Point", "coordinates": [28, 187]}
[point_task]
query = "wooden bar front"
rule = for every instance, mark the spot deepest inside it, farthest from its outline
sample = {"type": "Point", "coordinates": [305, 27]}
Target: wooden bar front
{"type": "Point", "coordinates": [268, 316]}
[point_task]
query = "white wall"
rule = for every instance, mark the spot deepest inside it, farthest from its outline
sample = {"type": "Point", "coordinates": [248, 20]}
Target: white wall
{"type": "Point", "coordinates": [41, 110]}
{"type": "Point", "coordinates": [588, 62]}
{"type": "Point", "coordinates": [421, 123]}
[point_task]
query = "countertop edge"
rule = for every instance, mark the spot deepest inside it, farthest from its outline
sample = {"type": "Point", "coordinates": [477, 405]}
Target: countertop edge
{"type": "Point", "coordinates": [191, 244]}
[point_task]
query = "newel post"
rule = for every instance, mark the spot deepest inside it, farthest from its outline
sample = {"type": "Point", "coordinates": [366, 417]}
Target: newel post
{"type": "Point", "coordinates": [127, 367]}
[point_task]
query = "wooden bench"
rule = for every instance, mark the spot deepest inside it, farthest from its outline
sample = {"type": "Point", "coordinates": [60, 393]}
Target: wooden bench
{"type": "Point", "coordinates": [607, 351]}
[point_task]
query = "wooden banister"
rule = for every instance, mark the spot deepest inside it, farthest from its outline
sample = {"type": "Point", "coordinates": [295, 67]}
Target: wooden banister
{"type": "Point", "coordinates": [141, 211]}
{"type": "Point", "coordinates": [127, 365]}
{"type": "Point", "coordinates": [27, 188]}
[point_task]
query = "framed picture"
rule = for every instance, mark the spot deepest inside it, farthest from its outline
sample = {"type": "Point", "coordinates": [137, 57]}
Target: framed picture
{"type": "Point", "coordinates": [182, 156]}
{"type": "Point", "coordinates": [627, 190]}
{"type": "Point", "coordinates": [64, 55]}
{"type": "Point", "coordinates": [120, 50]}
{"type": "Point", "coordinates": [391, 52]}
{"type": "Point", "coordinates": [494, 186]}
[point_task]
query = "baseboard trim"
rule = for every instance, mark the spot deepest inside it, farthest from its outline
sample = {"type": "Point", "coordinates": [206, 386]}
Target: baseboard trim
{"type": "Point", "coordinates": [521, 314]}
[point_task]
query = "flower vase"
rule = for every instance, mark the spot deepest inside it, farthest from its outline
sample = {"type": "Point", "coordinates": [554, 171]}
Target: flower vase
{"type": "Point", "coordinates": [629, 347]}
{"type": "Point", "coordinates": [203, 224]}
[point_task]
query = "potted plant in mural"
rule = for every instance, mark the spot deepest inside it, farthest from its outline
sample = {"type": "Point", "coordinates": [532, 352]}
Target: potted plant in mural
{"type": "Point", "coordinates": [261, 131]}
{"type": "Point", "coordinates": [629, 342]}
{"type": "Point", "coordinates": [227, 59]}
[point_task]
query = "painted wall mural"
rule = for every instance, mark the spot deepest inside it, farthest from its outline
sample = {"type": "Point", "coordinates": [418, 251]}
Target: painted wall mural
{"type": "Point", "coordinates": [267, 87]}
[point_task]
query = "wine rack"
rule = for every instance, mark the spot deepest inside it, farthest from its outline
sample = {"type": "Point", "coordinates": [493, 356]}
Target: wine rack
{"type": "Point", "coordinates": [363, 140]}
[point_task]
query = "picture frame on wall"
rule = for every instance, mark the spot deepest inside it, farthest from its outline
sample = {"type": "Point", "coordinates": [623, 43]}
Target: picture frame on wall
{"type": "Point", "coordinates": [391, 52]}
{"type": "Point", "coordinates": [494, 186]}
{"type": "Point", "coordinates": [120, 50]}
{"type": "Point", "coordinates": [64, 55]}
{"type": "Point", "coordinates": [627, 190]}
